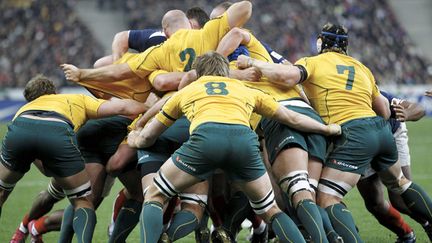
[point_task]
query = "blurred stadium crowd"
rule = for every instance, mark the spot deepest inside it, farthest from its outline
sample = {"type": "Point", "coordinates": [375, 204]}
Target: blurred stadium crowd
{"type": "Point", "coordinates": [38, 37]}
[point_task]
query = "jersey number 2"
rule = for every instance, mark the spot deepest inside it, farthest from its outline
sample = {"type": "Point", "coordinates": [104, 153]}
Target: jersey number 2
{"type": "Point", "coordinates": [216, 88]}
{"type": "Point", "coordinates": [191, 53]}
{"type": "Point", "coordinates": [351, 72]}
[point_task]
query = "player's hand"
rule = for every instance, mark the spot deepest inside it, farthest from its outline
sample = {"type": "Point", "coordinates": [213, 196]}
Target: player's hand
{"type": "Point", "coordinates": [251, 74]}
{"type": "Point", "coordinates": [428, 93]}
{"type": "Point", "coordinates": [333, 130]}
{"type": "Point", "coordinates": [188, 78]}
{"type": "Point", "coordinates": [243, 62]}
{"type": "Point", "coordinates": [400, 112]}
{"type": "Point", "coordinates": [71, 72]}
{"type": "Point", "coordinates": [132, 136]}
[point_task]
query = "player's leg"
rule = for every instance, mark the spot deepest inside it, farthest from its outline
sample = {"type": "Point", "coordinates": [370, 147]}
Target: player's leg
{"type": "Point", "coordinates": [8, 179]}
{"type": "Point", "coordinates": [193, 202]}
{"type": "Point", "coordinates": [129, 214]}
{"type": "Point", "coordinates": [76, 188]}
{"type": "Point", "coordinates": [117, 205]}
{"type": "Point", "coordinates": [333, 186]}
{"type": "Point", "coordinates": [260, 194]}
{"type": "Point", "coordinates": [45, 224]}
{"type": "Point", "coordinates": [371, 189]}
{"type": "Point", "coordinates": [42, 204]}
{"type": "Point", "coordinates": [291, 169]}
{"type": "Point", "coordinates": [315, 168]}
{"type": "Point", "coordinates": [167, 183]}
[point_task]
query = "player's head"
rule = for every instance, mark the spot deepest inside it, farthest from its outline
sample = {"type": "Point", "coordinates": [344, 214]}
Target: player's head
{"type": "Point", "coordinates": [174, 20]}
{"type": "Point", "coordinates": [333, 38]}
{"type": "Point", "coordinates": [220, 9]}
{"type": "Point", "coordinates": [197, 17]}
{"type": "Point", "coordinates": [38, 86]}
{"type": "Point", "coordinates": [211, 64]}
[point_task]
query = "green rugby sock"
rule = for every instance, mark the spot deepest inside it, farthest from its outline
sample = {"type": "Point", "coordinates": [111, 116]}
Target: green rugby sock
{"type": "Point", "coordinates": [309, 215]}
{"type": "Point", "coordinates": [151, 222]}
{"type": "Point", "coordinates": [418, 201]}
{"type": "Point", "coordinates": [285, 229]}
{"type": "Point", "coordinates": [328, 227]}
{"type": "Point", "coordinates": [343, 222]}
{"type": "Point", "coordinates": [84, 223]}
{"type": "Point", "coordinates": [183, 223]}
{"type": "Point", "coordinates": [126, 221]}
{"type": "Point", "coordinates": [66, 230]}
{"type": "Point", "coordinates": [237, 210]}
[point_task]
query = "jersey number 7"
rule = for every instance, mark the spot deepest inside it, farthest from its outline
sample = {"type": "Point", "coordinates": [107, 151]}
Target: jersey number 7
{"type": "Point", "coordinates": [351, 72]}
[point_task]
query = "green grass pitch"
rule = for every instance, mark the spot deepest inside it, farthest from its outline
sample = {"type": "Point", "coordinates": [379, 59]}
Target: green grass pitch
{"type": "Point", "coordinates": [33, 182]}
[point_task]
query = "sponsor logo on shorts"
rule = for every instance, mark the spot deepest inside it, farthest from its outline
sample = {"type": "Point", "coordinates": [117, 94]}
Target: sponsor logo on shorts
{"type": "Point", "coordinates": [344, 164]}
{"type": "Point", "coordinates": [284, 141]}
{"type": "Point", "coordinates": [184, 164]}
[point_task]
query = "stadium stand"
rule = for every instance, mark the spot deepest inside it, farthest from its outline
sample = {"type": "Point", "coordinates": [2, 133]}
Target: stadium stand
{"type": "Point", "coordinates": [291, 28]}
{"type": "Point", "coordinates": [37, 36]}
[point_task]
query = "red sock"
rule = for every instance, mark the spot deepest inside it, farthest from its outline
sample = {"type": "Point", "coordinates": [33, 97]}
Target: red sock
{"type": "Point", "coordinates": [394, 221]}
{"type": "Point", "coordinates": [118, 204]}
{"type": "Point", "coordinates": [255, 219]}
{"type": "Point", "coordinates": [39, 225]}
{"type": "Point", "coordinates": [169, 211]}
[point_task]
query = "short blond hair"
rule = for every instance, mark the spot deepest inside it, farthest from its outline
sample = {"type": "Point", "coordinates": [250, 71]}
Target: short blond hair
{"type": "Point", "coordinates": [38, 86]}
{"type": "Point", "coordinates": [211, 64]}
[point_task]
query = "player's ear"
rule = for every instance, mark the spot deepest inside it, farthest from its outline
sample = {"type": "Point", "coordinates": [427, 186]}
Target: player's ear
{"type": "Point", "coordinates": [319, 43]}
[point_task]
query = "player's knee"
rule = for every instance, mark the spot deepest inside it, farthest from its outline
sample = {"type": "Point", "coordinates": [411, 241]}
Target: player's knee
{"type": "Point", "coordinates": [194, 202]}
{"type": "Point", "coordinates": [163, 189]}
{"type": "Point", "coordinates": [397, 184]}
{"type": "Point", "coordinates": [266, 206]}
{"type": "Point", "coordinates": [295, 182]}
{"type": "Point", "coordinates": [79, 192]}
{"type": "Point", "coordinates": [52, 194]}
{"type": "Point", "coordinates": [331, 191]}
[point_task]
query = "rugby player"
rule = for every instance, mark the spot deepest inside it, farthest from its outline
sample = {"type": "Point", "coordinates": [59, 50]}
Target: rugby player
{"type": "Point", "coordinates": [203, 102]}
{"type": "Point", "coordinates": [370, 186]}
{"type": "Point", "coordinates": [342, 90]}
{"type": "Point", "coordinates": [45, 129]}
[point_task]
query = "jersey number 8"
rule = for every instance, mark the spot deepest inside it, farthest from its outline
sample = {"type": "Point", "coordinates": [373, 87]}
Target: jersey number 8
{"type": "Point", "coordinates": [216, 88]}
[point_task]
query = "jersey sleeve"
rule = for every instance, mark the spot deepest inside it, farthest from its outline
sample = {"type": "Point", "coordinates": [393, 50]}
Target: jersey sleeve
{"type": "Point", "coordinates": [265, 104]}
{"type": "Point", "coordinates": [153, 75]}
{"type": "Point", "coordinates": [92, 106]}
{"type": "Point", "coordinates": [257, 50]}
{"type": "Point", "coordinates": [146, 62]}
{"type": "Point", "coordinates": [216, 28]}
{"type": "Point", "coordinates": [140, 40]}
{"type": "Point", "coordinates": [277, 58]}
{"type": "Point", "coordinates": [308, 67]}
{"type": "Point", "coordinates": [171, 111]}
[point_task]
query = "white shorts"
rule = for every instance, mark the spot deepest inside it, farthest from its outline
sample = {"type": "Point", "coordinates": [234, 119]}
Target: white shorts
{"type": "Point", "coordinates": [404, 157]}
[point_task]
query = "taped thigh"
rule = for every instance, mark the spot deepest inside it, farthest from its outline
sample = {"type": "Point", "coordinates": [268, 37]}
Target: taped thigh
{"type": "Point", "coordinates": [334, 187]}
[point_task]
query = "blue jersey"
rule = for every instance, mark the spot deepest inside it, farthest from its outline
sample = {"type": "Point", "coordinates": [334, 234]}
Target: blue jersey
{"type": "Point", "coordinates": [141, 40]}
{"type": "Point", "coordinates": [395, 124]}
{"type": "Point", "coordinates": [277, 58]}
{"type": "Point", "coordinates": [242, 50]}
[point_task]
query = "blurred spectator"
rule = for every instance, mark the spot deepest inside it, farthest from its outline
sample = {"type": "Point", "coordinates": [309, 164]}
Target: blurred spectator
{"type": "Point", "coordinates": [38, 36]}
{"type": "Point", "coordinates": [291, 28]}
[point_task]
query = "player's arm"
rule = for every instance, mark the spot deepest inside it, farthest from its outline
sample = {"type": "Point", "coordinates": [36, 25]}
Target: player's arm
{"type": "Point", "coordinates": [147, 136]}
{"type": "Point", "coordinates": [288, 75]}
{"type": "Point", "coordinates": [381, 106]}
{"type": "Point", "coordinates": [187, 79]}
{"type": "Point", "coordinates": [408, 111]}
{"type": "Point", "coordinates": [110, 73]}
{"type": "Point", "coordinates": [167, 81]}
{"type": "Point", "coordinates": [268, 107]}
{"type": "Point", "coordinates": [304, 123]}
{"type": "Point", "coordinates": [239, 13]}
{"type": "Point", "coordinates": [232, 40]}
{"type": "Point", "coordinates": [126, 107]}
{"type": "Point", "coordinates": [151, 112]}
{"type": "Point", "coordinates": [120, 44]}
{"type": "Point", "coordinates": [249, 74]}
